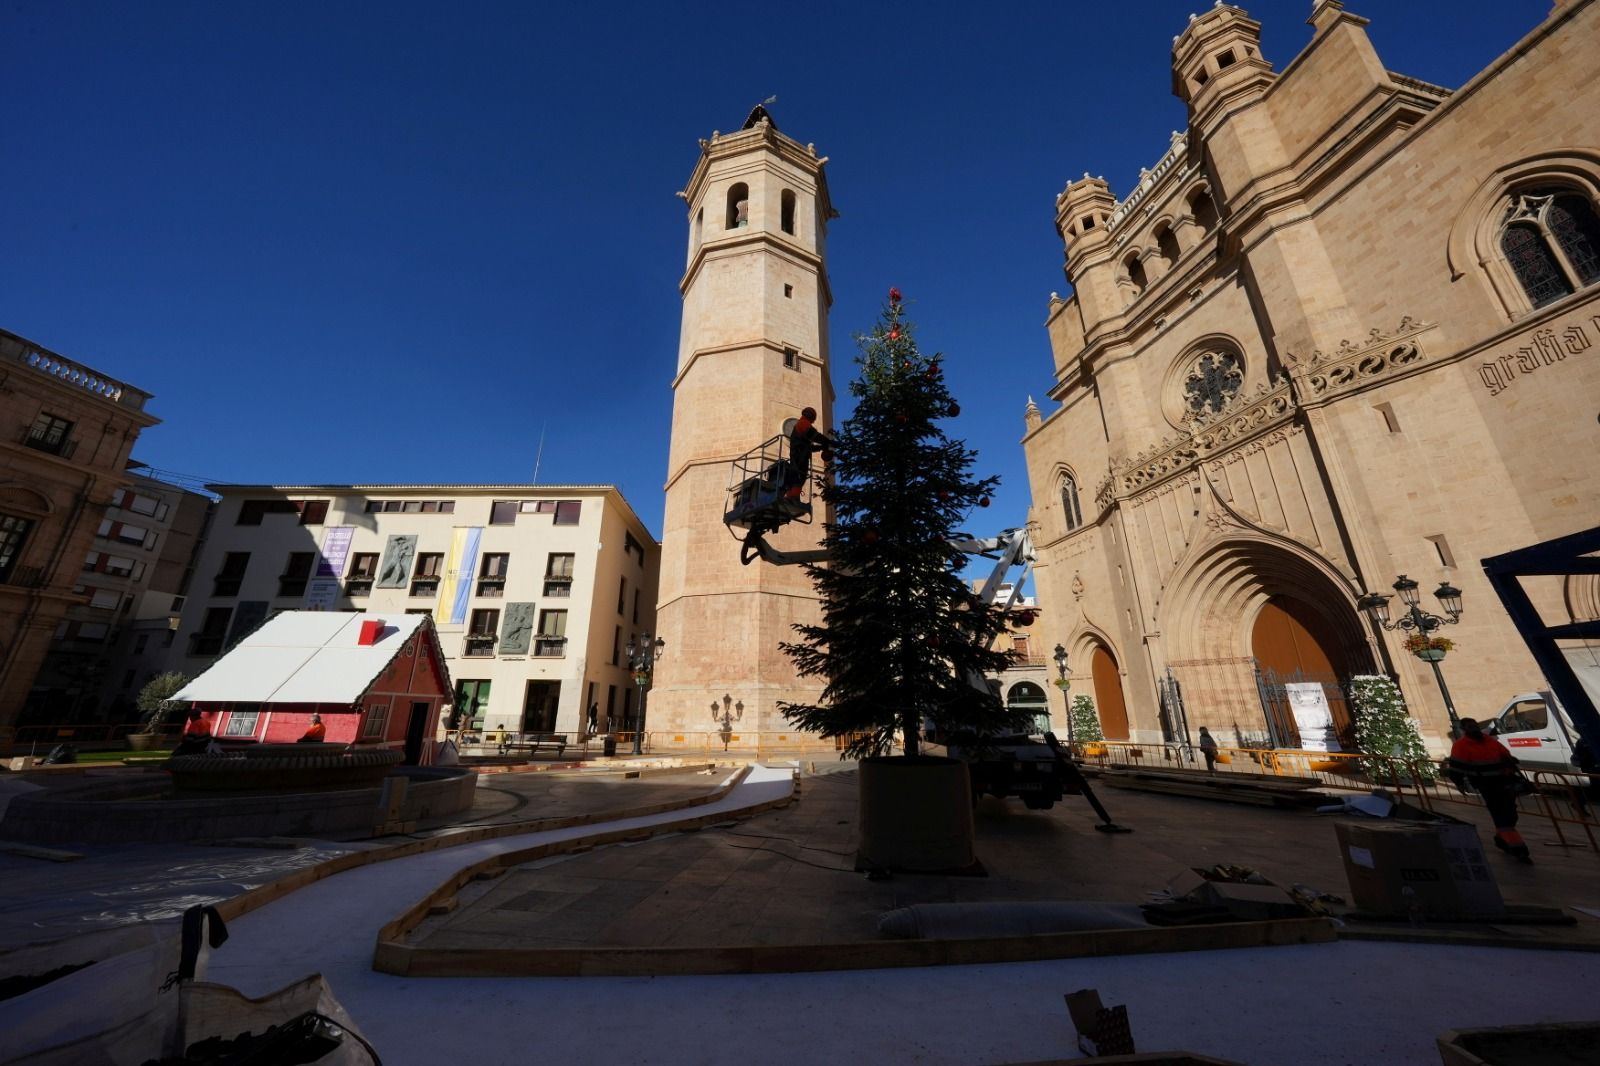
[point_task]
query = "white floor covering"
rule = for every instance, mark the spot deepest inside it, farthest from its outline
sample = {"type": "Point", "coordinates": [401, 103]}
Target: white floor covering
{"type": "Point", "coordinates": [1350, 1004]}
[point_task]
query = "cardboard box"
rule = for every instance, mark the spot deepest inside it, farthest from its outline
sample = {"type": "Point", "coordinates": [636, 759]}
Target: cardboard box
{"type": "Point", "coordinates": [1249, 903]}
{"type": "Point", "coordinates": [1102, 1030]}
{"type": "Point", "coordinates": [1442, 863]}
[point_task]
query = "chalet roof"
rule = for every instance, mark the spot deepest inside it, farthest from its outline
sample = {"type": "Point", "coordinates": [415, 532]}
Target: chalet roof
{"type": "Point", "coordinates": [305, 657]}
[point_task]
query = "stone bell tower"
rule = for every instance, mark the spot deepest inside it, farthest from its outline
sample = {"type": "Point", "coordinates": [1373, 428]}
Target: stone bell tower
{"type": "Point", "coordinates": [752, 352]}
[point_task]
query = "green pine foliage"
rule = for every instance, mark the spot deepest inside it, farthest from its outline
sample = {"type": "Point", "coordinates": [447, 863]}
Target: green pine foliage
{"type": "Point", "coordinates": [901, 632]}
{"type": "Point", "coordinates": [1085, 723]}
{"type": "Point", "coordinates": [1385, 730]}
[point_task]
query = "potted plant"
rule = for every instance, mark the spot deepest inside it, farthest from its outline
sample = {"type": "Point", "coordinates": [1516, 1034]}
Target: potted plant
{"type": "Point", "coordinates": [1429, 649]}
{"type": "Point", "coordinates": [902, 633]}
{"type": "Point", "coordinates": [154, 703]}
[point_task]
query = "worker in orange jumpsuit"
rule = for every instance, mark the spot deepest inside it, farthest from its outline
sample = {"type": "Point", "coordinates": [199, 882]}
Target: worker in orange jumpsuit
{"type": "Point", "coordinates": [804, 438]}
{"type": "Point", "coordinates": [316, 732]}
{"type": "Point", "coordinates": [196, 735]}
{"type": "Point", "coordinates": [1481, 761]}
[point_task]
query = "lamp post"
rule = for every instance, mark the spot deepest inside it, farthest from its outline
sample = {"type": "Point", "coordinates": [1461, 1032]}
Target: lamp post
{"type": "Point", "coordinates": [731, 712]}
{"type": "Point", "coordinates": [642, 655]}
{"type": "Point", "coordinates": [1063, 684]}
{"type": "Point", "coordinates": [1422, 623]}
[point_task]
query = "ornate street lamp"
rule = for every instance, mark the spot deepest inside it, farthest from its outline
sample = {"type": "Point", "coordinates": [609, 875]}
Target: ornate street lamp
{"type": "Point", "coordinates": [1063, 684]}
{"type": "Point", "coordinates": [1420, 624]}
{"type": "Point", "coordinates": [642, 655]}
{"type": "Point", "coordinates": [731, 712]}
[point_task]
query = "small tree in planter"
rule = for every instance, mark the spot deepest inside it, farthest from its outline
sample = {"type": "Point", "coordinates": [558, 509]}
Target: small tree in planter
{"type": "Point", "coordinates": [901, 633]}
{"type": "Point", "coordinates": [1085, 723]}
{"type": "Point", "coordinates": [152, 704]}
{"type": "Point", "coordinates": [1385, 730]}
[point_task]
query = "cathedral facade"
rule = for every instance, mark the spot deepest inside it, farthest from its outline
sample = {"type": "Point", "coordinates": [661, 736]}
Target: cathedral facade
{"type": "Point", "coordinates": [1346, 328]}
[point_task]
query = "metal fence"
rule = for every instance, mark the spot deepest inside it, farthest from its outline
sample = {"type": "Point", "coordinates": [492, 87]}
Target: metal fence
{"type": "Point", "coordinates": [1568, 801]}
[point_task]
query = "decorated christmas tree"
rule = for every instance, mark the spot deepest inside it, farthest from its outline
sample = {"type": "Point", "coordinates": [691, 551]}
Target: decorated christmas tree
{"type": "Point", "coordinates": [1385, 730]}
{"type": "Point", "coordinates": [1085, 723]}
{"type": "Point", "coordinates": [902, 635]}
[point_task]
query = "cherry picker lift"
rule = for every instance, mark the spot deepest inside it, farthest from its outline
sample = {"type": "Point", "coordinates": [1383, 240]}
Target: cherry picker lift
{"type": "Point", "coordinates": [767, 491]}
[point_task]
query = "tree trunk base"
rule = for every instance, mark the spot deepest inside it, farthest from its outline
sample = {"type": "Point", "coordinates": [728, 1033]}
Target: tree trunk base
{"type": "Point", "coordinates": [916, 814]}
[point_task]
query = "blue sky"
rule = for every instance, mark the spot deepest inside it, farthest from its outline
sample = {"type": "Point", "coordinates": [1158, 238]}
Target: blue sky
{"type": "Point", "coordinates": [364, 242]}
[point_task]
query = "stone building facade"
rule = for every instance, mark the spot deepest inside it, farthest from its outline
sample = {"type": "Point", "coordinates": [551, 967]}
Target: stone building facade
{"type": "Point", "coordinates": [534, 590]}
{"type": "Point", "coordinates": [131, 588]}
{"type": "Point", "coordinates": [66, 432]}
{"type": "Point", "coordinates": [753, 352]}
{"type": "Point", "coordinates": [1346, 328]}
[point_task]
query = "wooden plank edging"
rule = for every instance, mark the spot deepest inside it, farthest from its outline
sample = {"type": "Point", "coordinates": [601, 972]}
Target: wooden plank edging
{"type": "Point", "coordinates": [397, 958]}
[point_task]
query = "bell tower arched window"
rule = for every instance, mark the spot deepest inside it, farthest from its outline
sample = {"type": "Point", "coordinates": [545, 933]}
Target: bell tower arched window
{"type": "Point", "coordinates": [786, 211]}
{"type": "Point", "coordinates": [1551, 240]}
{"type": "Point", "coordinates": [1136, 273]}
{"type": "Point", "coordinates": [1070, 509]}
{"type": "Point", "coordinates": [738, 206]}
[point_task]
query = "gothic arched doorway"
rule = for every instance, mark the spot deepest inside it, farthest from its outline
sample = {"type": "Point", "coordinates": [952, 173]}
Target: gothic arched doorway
{"type": "Point", "coordinates": [1294, 645]}
{"type": "Point", "coordinates": [1108, 694]}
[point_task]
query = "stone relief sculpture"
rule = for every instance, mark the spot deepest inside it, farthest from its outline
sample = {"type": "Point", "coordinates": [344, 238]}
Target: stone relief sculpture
{"type": "Point", "coordinates": [516, 632]}
{"type": "Point", "coordinates": [398, 553]}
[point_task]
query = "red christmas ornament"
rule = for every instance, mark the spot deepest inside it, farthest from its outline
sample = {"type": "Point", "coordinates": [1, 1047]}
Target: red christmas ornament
{"type": "Point", "coordinates": [899, 418]}
{"type": "Point", "coordinates": [944, 495]}
{"type": "Point", "coordinates": [933, 372]}
{"type": "Point", "coordinates": [984, 502]}
{"type": "Point", "coordinates": [894, 334]}
{"type": "Point", "coordinates": [869, 536]}
{"type": "Point", "coordinates": [1024, 618]}
{"type": "Point", "coordinates": [955, 409]}
{"type": "Point", "coordinates": [894, 295]}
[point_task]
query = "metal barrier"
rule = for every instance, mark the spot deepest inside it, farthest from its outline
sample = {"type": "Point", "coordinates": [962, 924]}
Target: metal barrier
{"type": "Point", "coordinates": [81, 732]}
{"type": "Point", "coordinates": [1569, 801]}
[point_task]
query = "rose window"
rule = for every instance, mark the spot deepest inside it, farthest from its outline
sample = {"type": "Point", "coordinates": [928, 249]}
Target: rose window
{"type": "Point", "coordinates": [1213, 382]}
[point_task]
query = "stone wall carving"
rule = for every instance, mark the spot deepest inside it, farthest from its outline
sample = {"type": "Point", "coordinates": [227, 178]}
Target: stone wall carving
{"type": "Point", "coordinates": [1356, 363]}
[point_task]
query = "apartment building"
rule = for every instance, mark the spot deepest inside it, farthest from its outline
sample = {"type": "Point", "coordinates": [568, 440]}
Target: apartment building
{"type": "Point", "coordinates": [131, 588]}
{"type": "Point", "coordinates": [66, 431]}
{"type": "Point", "coordinates": [534, 589]}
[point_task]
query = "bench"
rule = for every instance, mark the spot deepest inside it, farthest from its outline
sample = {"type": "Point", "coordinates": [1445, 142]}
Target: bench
{"type": "Point", "coordinates": [533, 743]}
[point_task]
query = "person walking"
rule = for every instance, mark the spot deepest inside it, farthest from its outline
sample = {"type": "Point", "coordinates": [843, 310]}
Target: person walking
{"type": "Point", "coordinates": [1481, 761]}
{"type": "Point", "coordinates": [1208, 748]}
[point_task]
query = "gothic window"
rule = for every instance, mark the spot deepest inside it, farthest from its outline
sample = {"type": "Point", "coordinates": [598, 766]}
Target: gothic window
{"type": "Point", "coordinates": [1069, 502]}
{"type": "Point", "coordinates": [1136, 272]}
{"type": "Point", "coordinates": [738, 206]}
{"type": "Point", "coordinates": [1203, 210]}
{"type": "Point", "coordinates": [1168, 244]}
{"type": "Point", "coordinates": [1551, 241]}
{"type": "Point", "coordinates": [1213, 382]}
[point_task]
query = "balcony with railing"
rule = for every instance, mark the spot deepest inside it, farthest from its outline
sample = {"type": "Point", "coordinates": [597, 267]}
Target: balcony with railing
{"type": "Point", "coordinates": [549, 647]}
{"type": "Point", "coordinates": [478, 646]}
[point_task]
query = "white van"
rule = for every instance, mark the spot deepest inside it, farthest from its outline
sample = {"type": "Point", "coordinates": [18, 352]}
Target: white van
{"type": "Point", "coordinates": [1537, 730]}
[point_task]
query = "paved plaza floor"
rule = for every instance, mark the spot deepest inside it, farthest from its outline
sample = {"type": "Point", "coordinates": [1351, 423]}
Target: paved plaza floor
{"type": "Point", "coordinates": [787, 876]}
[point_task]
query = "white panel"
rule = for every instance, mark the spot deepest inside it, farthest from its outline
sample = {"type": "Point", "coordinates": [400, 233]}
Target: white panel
{"type": "Point", "coordinates": [246, 675]}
